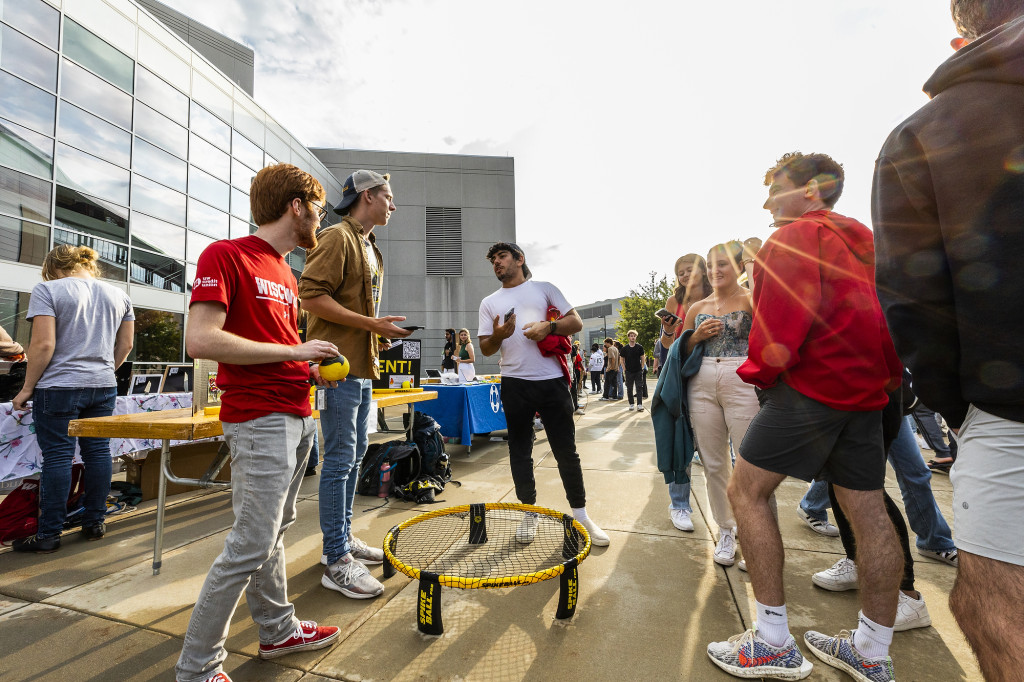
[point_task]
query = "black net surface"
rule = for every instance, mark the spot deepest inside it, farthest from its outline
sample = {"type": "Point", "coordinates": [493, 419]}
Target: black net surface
{"type": "Point", "coordinates": [441, 544]}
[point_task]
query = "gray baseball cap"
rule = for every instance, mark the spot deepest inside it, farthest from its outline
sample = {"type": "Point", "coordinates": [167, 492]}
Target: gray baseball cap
{"type": "Point", "coordinates": [357, 183]}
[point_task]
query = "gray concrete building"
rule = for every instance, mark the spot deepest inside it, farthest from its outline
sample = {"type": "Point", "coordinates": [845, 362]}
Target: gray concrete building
{"type": "Point", "coordinates": [599, 320]}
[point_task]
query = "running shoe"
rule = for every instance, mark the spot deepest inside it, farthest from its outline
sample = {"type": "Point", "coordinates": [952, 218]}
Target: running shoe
{"type": "Point", "coordinates": [362, 552]}
{"type": "Point", "coordinates": [351, 578]}
{"type": "Point", "coordinates": [527, 530]}
{"type": "Point", "coordinates": [681, 519]}
{"type": "Point", "coordinates": [747, 655]}
{"type": "Point", "coordinates": [946, 556]}
{"type": "Point", "coordinates": [307, 637]}
{"type": "Point", "coordinates": [725, 550]}
{"type": "Point", "coordinates": [840, 578]}
{"type": "Point", "coordinates": [598, 538]}
{"type": "Point", "coordinates": [840, 653]}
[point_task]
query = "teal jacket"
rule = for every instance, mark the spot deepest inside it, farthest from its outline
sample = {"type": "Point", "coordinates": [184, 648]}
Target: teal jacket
{"type": "Point", "coordinates": [673, 435]}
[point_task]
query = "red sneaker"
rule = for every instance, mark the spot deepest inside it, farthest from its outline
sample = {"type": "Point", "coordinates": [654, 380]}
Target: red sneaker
{"type": "Point", "coordinates": [307, 637]}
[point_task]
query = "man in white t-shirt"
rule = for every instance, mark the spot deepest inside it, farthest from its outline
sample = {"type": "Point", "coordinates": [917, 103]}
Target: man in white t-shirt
{"type": "Point", "coordinates": [533, 382]}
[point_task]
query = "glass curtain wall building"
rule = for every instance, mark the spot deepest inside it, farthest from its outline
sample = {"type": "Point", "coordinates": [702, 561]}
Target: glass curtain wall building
{"type": "Point", "coordinates": [115, 134]}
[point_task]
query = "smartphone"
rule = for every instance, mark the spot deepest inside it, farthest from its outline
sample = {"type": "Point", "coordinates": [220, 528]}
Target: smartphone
{"type": "Point", "coordinates": [667, 316]}
{"type": "Point", "coordinates": [509, 314]}
{"type": "Point", "coordinates": [412, 328]}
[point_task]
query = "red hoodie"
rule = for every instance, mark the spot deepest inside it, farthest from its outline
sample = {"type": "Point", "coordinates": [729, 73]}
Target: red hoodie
{"type": "Point", "coordinates": [817, 323]}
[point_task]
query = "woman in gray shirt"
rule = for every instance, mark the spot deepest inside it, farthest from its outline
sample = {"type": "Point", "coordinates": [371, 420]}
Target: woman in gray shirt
{"type": "Point", "coordinates": [82, 331]}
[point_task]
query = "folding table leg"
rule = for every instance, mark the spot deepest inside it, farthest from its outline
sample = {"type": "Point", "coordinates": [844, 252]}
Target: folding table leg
{"type": "Point", "coordinates": [158, 542]}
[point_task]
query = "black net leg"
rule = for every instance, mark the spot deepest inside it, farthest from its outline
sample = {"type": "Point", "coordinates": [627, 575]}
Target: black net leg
{"type": "Point", "coordinates": [569, 591]}
{"type": "Point", "coordinates": [428, 606]}
{"type": "Point", "coordinates": [477, 524]}
{"type": "Point", "coordinates": [389, 569]}
{"type": "Point", "coordinates": [570, 538]}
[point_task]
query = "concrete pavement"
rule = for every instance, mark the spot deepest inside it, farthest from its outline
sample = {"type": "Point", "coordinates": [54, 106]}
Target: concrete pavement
{"type": "Point", "coordinates": [648, 605]}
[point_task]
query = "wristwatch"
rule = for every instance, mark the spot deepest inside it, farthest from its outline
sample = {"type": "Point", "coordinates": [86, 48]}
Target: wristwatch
{"type": "Point", "coordinates": [551, 328]}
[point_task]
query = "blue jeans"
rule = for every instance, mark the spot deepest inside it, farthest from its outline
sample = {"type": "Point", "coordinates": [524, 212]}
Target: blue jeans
{"type": "Point", "coordinates": [914, 479]}
{"type": "Point", "coordinates": [268, 460]}
{"type": "Point", "coordinates": [679, 494]}
{"type": "Point", "coordinates": [815, 501]}
{"type": "Point", "coordinates": [345, 420]}
{"type": "Point", "coordinates": [53, 408]}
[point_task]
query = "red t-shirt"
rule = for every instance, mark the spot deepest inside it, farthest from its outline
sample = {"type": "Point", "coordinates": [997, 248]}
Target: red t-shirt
{"type": "Point", "coordinates": [257, 287]}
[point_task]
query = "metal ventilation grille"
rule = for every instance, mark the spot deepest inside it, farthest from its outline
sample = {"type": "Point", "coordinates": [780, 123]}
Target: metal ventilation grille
{"type": "Point", "coordinates": [444, 241]}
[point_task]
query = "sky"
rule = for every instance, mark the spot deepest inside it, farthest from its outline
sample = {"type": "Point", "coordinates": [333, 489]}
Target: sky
{"type": "Point", "coordinates": [641, 131]}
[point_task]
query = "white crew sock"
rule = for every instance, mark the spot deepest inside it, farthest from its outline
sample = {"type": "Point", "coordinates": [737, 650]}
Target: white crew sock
{"type": "Point", "coordinates": [772, 623]}
{"type": "Point", "coordinates": [580, 514]}
{"type": "Point", "coordinates": [870, 638]}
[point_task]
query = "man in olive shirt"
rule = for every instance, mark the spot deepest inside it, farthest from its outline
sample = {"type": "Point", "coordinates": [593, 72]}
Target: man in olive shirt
{"type": "Point", "coordinates": [611, 371]}
{"type": "Point", "coordinates": [340, 287]}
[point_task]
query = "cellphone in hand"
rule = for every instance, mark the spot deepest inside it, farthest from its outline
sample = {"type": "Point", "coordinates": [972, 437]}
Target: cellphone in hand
{"type": "Point", "coordinates": [412, 328]}
{"type": "Point", "coordinates": [667, 316]}
{"type": "Point", "coordinates": [509, 314]}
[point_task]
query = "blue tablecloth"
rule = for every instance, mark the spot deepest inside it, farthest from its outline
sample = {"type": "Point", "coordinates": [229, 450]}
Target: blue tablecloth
{"type": "Point", "coordinates": [465, 409]}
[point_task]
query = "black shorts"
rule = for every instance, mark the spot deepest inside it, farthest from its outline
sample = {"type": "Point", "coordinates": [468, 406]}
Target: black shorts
{"type": "Point", "coordinates": [801, 437]}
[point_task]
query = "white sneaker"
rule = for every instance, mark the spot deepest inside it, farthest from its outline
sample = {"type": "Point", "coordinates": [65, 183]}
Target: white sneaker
{"type": "Point", "coordinates": [579, 410]}
{"type": "Point", "coordinates": [840, 578]}
{"type": "Point", "coordinates": [631, 408]}
{"type": "Point", "coordinates": [742, 565]}
{"type": "Point", "coordinates": [821, 527]}
{"type": "Point", "coordinates": [681, 519]}
{"type": "Point", "coordinates": [527, 530]}
{"type": "Point", "coordinates": [351, 578]}
{"type": "Point", "coordinates": [639, 408]}
{"type": "Point", "coordinates": [911, 613]}
{"type": "Point", "coordinates": [363, 552]}
{"type": "Point", "coordinates": [725, 551]}
{"type": "Point", "coordinates": [598, 537]}
{"type": "Point", "coordinates": [538, 424]}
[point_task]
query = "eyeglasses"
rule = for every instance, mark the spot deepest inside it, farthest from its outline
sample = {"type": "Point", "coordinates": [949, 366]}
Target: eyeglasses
{"type": "Point", "coordinates": [321, 212]}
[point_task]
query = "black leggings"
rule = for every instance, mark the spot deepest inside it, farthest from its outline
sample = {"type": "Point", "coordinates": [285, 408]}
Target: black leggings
{"type": "Point", "coordinates": [892, 415]}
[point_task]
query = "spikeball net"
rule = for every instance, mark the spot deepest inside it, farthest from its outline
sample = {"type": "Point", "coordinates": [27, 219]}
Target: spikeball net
{"type": "Point", "coordinates": [475, 546]}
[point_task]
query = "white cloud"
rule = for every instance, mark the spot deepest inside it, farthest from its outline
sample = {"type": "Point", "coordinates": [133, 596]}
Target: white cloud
{"type": "Point", "coordinates": [640, 131]}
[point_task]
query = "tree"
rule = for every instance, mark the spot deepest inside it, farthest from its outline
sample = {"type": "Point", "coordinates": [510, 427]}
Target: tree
{"type": "Point", "coordinates": [637, 312]}
{"type": "Point", "coordinates": [157, 336]}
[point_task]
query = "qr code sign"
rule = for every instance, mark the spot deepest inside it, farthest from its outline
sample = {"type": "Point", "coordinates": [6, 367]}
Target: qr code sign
{"type": "Point", "coordinates": [410, 351]}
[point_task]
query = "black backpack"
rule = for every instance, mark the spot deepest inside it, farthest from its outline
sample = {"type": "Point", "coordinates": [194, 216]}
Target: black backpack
{"type": "Point", "coordinates": [426, 433]}
{"type": "Point", "coordinates": [387, 466]}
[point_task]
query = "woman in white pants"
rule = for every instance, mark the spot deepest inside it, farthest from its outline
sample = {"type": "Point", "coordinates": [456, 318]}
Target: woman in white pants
{"type": "Point", "coordinates": [721, 405]}
{"type": "Point", "coordinates": [466, 357]}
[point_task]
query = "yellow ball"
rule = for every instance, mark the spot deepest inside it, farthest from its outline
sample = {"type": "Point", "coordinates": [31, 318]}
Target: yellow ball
{"type": "Point", "coordinates": [334, 369]}
{"type": "Point", "coordinates": [406, 384]}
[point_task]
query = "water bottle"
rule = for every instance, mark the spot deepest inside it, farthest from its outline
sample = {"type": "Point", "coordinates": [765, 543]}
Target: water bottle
{"type": "Point", "coordinates": [385, 480]}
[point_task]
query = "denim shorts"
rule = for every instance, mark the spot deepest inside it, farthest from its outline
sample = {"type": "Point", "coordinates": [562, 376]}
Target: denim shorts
{"type": "Point", "coordinates": [801, 437]}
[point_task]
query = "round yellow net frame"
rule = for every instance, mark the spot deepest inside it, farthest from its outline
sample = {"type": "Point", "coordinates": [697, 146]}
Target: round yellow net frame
{"type": "Point", "coordinates": [477, 546]}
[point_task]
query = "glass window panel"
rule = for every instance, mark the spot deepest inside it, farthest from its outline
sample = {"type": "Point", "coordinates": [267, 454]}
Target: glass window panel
{"type": "Point", "coordinates": [158, 200]}
{"type": "Point", "coordinates": [98, 56]}
{"type": "Point", "coordinates": [240, 207]}
{"type": "Point", "coordinates": [25, 150]}
{"type": "Point", "coordinates": [241, 175]}
{"type": "Point", "coordinates": [101, 18]}
{"type": "Point", "coordinates": [92, 134]}
{"type": "Point", "coordinates": [249, 124]}
{"type": "Point", "coordinates": [81, 212]}
{"type": "Point", "coordinates": [246, 152]}
{"type": "Point", "coordinates": [207, 220]}
{"type": "Point", "coordinates": [156, 235]}
{"type": "Point", "coordinates": [157, 271]}
{"type": "Point", "coordinates": [162, 95]}
{"type": "Point", "coordinates": [190, 276]}
{"type": "Point", "coordinates": [113, 260]}
{"type": "Point", "coordinates": [85, 172]}
{"type": "Point", "coordinates": [158, 335]}
{"type": "Point", "coordinates": [24, 196]}
{"type": "Point", "coordinates": [197, 243]}
{"type": "Point", "coordinates": [33, 17]}
{"type": "Point", "coordinates": [164, 62]}
{"type": "Point", "coordinates": [95, 94]}
{"type": "Point", "coordinates": [208, 157]}
{"type": "Point", "coordinates": [158, 165]}
{"type": "Point", "coordinates": [27, 58]}
{"type": "Point", "coordinates": [23, 242]}
{"type": "Point", "coordinates": [208, 188]}
{"type": "Point", "coordinates": [277, 148]}
{"type": "Point", "coordinates": [161, 131]}
{"type": "Point", "coordinates": [27, 104]}
{"type": "Point", "coordinates": [211, 97]}
{"type": "Point", "coordinates": [239, 228]}
{"type": "Point", "coordinates": [210, 127]}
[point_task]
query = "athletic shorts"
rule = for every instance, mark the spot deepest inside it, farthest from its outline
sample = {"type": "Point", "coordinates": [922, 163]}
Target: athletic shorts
{"type": "Point", "coordinates": [988, 487]}
{"type": "Point", "coordinates": [801, 437]}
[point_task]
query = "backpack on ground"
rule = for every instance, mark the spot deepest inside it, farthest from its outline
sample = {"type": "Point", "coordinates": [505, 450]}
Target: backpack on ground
{"type": "Point", "coordinates": [426, 433]}
{"type": "Point", "coordinates": [386, 466]}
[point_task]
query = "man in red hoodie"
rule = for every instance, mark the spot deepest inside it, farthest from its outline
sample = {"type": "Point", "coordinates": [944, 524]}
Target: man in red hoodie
{"type": "Point", "coordinates": [822, 360]}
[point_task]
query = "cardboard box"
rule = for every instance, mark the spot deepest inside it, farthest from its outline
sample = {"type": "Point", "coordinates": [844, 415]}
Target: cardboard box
{"type": "Point", "coordinates": [187, 461]}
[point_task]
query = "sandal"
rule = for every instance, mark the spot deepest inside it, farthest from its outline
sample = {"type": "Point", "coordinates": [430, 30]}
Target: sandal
{"type": "Point", "coordinates": [939, 467]}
